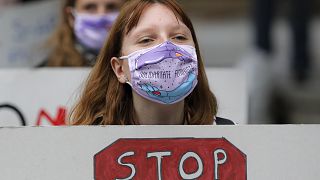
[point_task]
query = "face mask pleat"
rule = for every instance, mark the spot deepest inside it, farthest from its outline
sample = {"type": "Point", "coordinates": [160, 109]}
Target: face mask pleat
{"type": "Point", "coordinates": [165, 73]}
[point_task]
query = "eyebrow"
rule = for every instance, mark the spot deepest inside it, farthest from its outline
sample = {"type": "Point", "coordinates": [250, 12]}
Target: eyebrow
{"type": "Point", "coordinates": [181, 27]}
{"type": "Point", "coordinates": [146, 30]}
{"type": "Point", "coordinates": [136, 33]}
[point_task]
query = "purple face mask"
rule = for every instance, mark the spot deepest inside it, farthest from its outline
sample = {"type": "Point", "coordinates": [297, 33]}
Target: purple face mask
{"type": "Point", "coordinates": [92, 30]}
{"type": "Point", "coordinates": [166, 73]}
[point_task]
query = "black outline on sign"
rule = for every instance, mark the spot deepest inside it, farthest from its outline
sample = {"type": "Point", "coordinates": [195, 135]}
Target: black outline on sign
{"type": "Point", "coordinates": [17, 111]}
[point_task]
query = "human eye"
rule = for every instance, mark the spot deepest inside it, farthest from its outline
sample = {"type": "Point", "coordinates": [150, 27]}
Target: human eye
{"type": "Point", "coordinates": [145, 40]}
{"type": "Point", "coordinates": [111, 7]}
{"type": "Point", "coordinates": [90, 7]}
{"type": "Point", "coordinates": [180, 37]}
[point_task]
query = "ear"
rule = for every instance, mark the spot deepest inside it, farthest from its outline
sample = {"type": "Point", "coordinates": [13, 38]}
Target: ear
{"type": "Point", "coordinates": [118, 69]}
{"type": "Point", "coordinates": [70, 16]}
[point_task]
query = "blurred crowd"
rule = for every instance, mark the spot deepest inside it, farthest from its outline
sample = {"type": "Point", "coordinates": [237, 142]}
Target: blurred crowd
{"type": "Point", "coordinates": [84, 25]}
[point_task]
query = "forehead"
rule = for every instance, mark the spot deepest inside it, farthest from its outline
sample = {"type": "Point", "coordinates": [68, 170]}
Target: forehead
{"type": "Point", "coordinates": [157, 13]}
{"type": "Point", "coordinates": [158, 16]}
{"type": "Point", "coordinates": [95, 1]}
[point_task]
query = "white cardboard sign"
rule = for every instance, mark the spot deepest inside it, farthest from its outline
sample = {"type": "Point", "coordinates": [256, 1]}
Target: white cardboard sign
{"type": "Point", "coordinates": [64, 153]}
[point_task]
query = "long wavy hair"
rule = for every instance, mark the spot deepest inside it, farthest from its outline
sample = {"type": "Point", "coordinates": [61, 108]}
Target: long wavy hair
{"type": "Point", "coordinates": [62, 42]}
{"type": "Point", "coordinates": [106, 101]}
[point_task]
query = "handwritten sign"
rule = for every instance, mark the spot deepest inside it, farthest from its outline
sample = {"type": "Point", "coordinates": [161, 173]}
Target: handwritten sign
{"type": "Point", "coordinates": [38, 96]}
{"type": "Point", "coordinates": [276, 152]}
{"type": "Point", "coordinates": [182, 158]}
{"type": "Point", "coordinates": [24, 32]}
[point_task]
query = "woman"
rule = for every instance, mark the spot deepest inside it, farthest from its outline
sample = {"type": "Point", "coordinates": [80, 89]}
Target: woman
{"type": "Point", "coordinates": [149, 72]}
{"type": "Point", "coordinates": [83, 28]}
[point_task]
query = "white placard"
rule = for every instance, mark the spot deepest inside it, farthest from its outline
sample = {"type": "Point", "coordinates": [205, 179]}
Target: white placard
{"type": "Point", "coordinates": [44, 96]}
{"type": "Point", "coordinates": [64, 153]}
{"type": "Point", "coordinates": [24, 30]}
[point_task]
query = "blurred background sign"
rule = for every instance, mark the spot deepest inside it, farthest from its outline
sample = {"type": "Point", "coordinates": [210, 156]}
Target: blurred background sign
{"type": "Point", "coordinates": [24, 30]}
{"type": "Point", "coordinates": [45, 96]}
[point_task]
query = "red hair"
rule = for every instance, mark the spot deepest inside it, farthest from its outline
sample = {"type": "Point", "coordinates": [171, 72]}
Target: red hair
{"type": "Point", "coordinates": [106, 101]}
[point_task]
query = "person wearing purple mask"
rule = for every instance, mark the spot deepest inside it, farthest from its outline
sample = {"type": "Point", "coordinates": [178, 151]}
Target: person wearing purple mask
{"type": "Point", "coordinates": [4, 3]}
{"type": "Point", "coordinates": [149, 72]}
{"type": "Point", "coordinates": [84, 26]}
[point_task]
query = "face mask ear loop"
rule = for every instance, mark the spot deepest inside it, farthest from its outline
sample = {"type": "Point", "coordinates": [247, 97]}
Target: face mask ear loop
{"type": "Point", "coordinates": [128, 82]}
{"type": "Point", "coordinates": [73, 12]}
{"type": "Point", "coordinates": [123, 58]}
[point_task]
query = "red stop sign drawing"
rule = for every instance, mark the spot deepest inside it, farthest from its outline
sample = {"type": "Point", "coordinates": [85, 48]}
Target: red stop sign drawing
{"type": "Point", "coordinates": [172, 158]}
